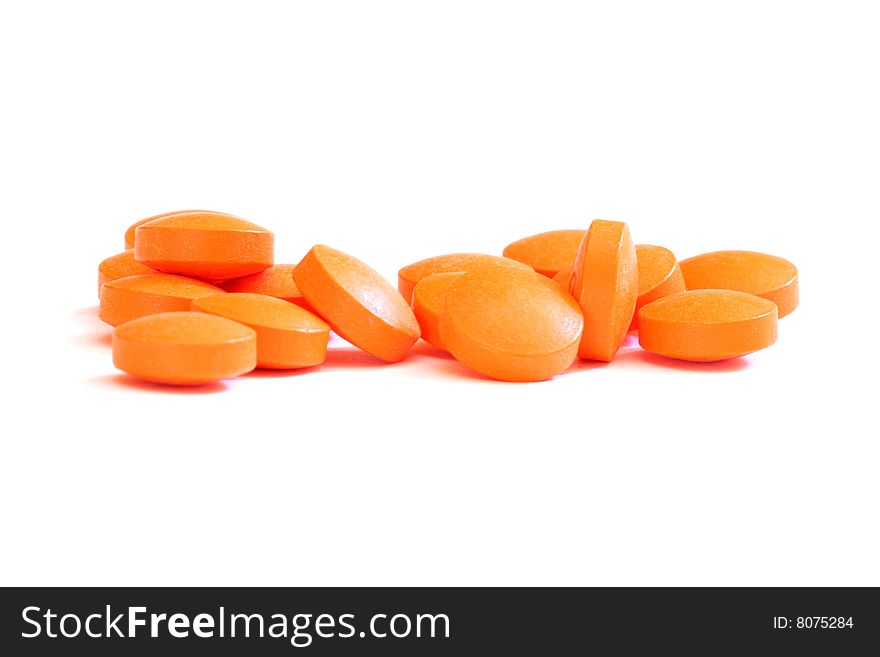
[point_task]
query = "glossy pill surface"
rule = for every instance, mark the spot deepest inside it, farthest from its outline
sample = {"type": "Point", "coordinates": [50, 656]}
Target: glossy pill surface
{"type": "Point", "coordinates": [118, 266]}
{"type": "Point", "coordinates": [184, 348]}
{"type": "Point", "coordinates": [408, 276]}
{"type": "Point", "coordinates": [287, 336]}
{"type": "Point", "coordinates": [707, 325]}
{"type": "Point", "coordinates": [277, 281]}
{"type": "Point", "coordinates": [429, 296]}
{"type": "Point", "coordinates": [135, 296]}
{"type": "Point", "coordinates": [206, 245]}
{"type": "Point", "coordinates": [357, 302]}
{"type": "Point", "coordinates": [510, 324]}
{"type": "Point", "coordinates": [659, 276]}
{"type": "Point", "coordinates": [548, 252]}
{"type": "Point", "coordinates": [761, 274]}
{"type": "Point", "coordinates": [605, 284]}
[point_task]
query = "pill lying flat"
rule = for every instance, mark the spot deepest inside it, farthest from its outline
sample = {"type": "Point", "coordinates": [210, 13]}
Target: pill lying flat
{"type": "Point", "coordinates": [548, 252]}
{"type": "Point", "coordinates": [287, 336]}
{"type": "Point", "coordinates": [761, 274]}
{"type": "Point", "coordinates": [659, 276]}
{"type": "Point", "coordinates": [605, 285]}
{"type": "Point", "coordinates": [707, 325]}
{"type": "Point", "coordinates": [135, 296]}
{"type": "Point", "coordinates": [131, 231]}
{"type": "Point", "coordinates": [277, 281]}
{"type": "Point", "coordinates": [119, 266]}
{"type": "Point", "coordinates": [184, 348]}
{"type": "Point", "coordinates": [428, 298]}
{"type": "Point", "coordinates": [408, 276]}
{"type": "Point", "coordinates": [357, 302]}
{"type": "Point", "coordinates": [207, 245]}
{"type": "Point", "coordinates": [510, 324]}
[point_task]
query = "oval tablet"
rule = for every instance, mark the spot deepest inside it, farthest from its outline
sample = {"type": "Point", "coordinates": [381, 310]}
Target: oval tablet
{"type": "Point", "coordinates": [208, 245]}
{"type": "Point", "coordinates": [135, 296]}
{"type": "Point", "coordinates": [659, 276]}
{"type": "Point", "coordinates": [605, 284]}
{"type": "Point", "coordinates": [184, 348]}
{"type": "Point", "coordinates": [707, 325]}
{"type": "Point", "coordinates": [287, 336]}
{"type": "Point", "coordinates": [427, 303]}
{"type": "Point", "coordinates": [357, 302]}
{"type": "Point", "coordinates": [760, 274]}
{"type": "Point", "coordinates": [119, 266]}
{"type": "Point", "coordinates": [510, 324]}
{"type": "Point", "coordinates": [452, 262]}
{"type": "Point", "coordinates": [130, 232]}
{"type": "Point", "coordinates": [548, 252]}
{"type": "Point", "coordinates": [277, 281]}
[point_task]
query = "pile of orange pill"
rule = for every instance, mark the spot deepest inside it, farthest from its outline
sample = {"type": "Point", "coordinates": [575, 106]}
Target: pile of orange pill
{"type": "Point", "coordinates": [197, 297]}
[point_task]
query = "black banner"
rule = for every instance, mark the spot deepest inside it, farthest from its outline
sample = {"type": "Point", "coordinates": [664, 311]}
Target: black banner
{"type": "Point", "coordinates": [445, 621]}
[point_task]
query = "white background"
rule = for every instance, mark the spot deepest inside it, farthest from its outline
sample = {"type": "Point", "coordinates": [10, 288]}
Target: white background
{"type": "Point", "coordinates": [401, 130]}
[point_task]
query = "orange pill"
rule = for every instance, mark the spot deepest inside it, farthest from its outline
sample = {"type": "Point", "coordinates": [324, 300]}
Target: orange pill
{"type": "Point", "coordinates": [453, 262]}
{"type": "Point", "coordinates": [547, 253]}
{"type": "Point", "coordinates": [277, 281]}
{"type": "Point", "coordinates": [207, 245]}
{"type": "Point", "coordinates": [605, 284]}
{"type": "Point", "coordinates": [659, 276]}
{"type": "Point", "coordinates": [184, 348]}
{"type": "Point", "coordinates": [427, 303]}
{"type": "Point", "coordinates": [707, 325]}
{"type": "Point", "coordinates": [135, 296]}
{"type": "Point", "coordinates": [357, 302]}
{"type": "Point", "coordinates": [287, 336]}
{"type": "Point", "coordinates": [563, 277]}
{"type": "Point", "coordinates": [510, 324]}
{"type": "Point", "coordinates": [119, 266]}
{"type": "Point", "coordinates": [760, 274]}
{"type": "Point", "coordinates": [130, 233]}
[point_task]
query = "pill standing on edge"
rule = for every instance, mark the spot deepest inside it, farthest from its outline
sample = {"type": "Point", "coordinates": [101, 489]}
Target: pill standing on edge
{"type": "Point", "coordinates": [510, 324]}
{"type": "Point", "coordinates": [707, 325]}
{"type": "Point", "coordinates": [761, 274]}
{"type": "Point", "coordinates": [605, 284]}
{"type": "Point", "coordinates": [119, 266]}
{"type": "Point", "coordinates": [427, 303]}
{"type": "Point", "coordinates": [277, 281]}
{"type": "Point", "coordinates": [357, 302]}
{"type": "Point", "coordinates": [131, 231]}
{"type": "Point", "coordinates": [184, 348]}
{"type": "Point", "coordinates": [287, 336]}
{"type": "Point", "coordinates": [548, 252]}
{"type": "Point", "coordinates": [408, 276]}
{"type": "Point", "coordinates": [659, 276]}
{"type": "Point", "coordinates": [135, 296]}
{"type": "Point", "coordinates": [207, 245]}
